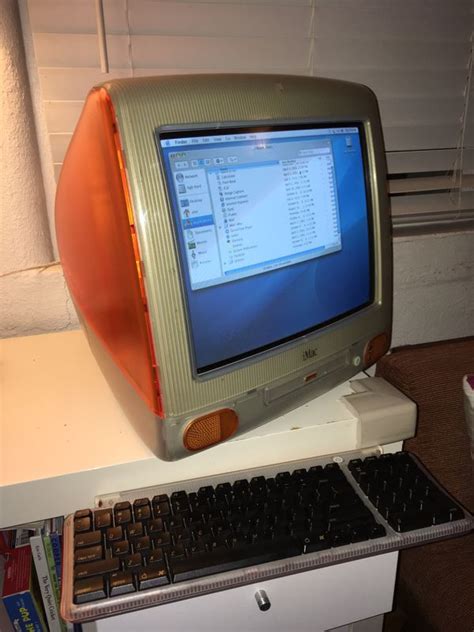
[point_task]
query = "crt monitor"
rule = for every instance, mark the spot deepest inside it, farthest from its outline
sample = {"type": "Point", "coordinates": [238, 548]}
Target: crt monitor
{"type": "Point", "coordinates": [226, 242]}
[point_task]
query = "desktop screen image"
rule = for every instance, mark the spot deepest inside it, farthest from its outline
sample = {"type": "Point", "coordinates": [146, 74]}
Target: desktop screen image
{"type": "Point", "coordinates": [273, 231]}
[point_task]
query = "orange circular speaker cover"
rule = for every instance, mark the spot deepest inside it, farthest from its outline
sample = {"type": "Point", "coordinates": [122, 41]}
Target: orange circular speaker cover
{"type": "Point", "coordinates": [376, 348]}
{"type": "Point", "coordinates": [209, 429]}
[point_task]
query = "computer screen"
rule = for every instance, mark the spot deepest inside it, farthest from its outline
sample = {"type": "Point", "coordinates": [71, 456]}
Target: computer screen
{"type": "Point", "coordinates": [273, 233]}
{"type": "Point", "coordinates": [226, 241]}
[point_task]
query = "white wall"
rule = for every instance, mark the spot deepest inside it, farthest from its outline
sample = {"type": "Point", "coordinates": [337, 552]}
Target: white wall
{"type": "Point", "coordinates": [32, 292]}
{"type": "Point", "coordinates": [433, 287]}
{"type": "Point", "coordinates": [24, 234]}
{"type": "Point", "coordinates": [433, 274]}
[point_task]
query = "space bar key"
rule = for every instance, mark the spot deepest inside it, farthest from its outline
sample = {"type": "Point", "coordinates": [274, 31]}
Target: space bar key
{"type": "Point", "coordinates": [203, 564]}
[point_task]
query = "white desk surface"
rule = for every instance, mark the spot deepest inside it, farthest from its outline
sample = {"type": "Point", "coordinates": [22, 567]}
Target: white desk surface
{"type": "Point", "coordinates": [64, 439]}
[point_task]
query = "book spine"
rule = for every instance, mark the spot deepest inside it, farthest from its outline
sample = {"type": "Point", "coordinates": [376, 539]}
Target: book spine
{"type": "Point", "coordinates": [54, 578]}
{"type": "Point", "coordinates": [6, 542]}
{"type": "Point", "coordinates": [23, 613]}
{"type": "Point", "coordinates": [44, 580]}
{"type": "Point", "coordinates": [56, 546]}
{"type": "Point", "coordinates": [22, 537]}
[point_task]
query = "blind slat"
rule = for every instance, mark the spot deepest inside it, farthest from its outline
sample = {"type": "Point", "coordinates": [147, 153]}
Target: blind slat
{"type": "Point", "coordinates": [220, 53]}
{"type": "Point", "coordinates": [421, 161]}
{"type": "Point", "coordinates": [219, 20]}
{"type": "Point", "coordinates": [404, 82]}
{"type": "Point", "coordinates": [380, 53]}
{"type": "Point", "coordinates": [440, 6]}
{"type": "Point", "coordinates": [433, 183]}
{"type": "Point", "coordinates": [395, 22]}
{"type": "Point", "coordinates": [416, 185]}
{"type": "Point", "coordinates": [433, 203]}
{"type": "Point", "coordinates": [402, 138]}
{"type": "Point", "coordinates": [410, 111]}
{"type": "Point", "coordinates": [171, 18]}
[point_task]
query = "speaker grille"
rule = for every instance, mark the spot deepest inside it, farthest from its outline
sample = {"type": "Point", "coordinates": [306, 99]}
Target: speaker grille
{"type": "Point", "coordinates": [210, 429]}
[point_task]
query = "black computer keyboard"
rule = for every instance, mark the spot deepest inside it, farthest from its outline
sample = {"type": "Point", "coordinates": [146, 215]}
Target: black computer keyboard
{"type": "Point", "coordinates": [159, 547]}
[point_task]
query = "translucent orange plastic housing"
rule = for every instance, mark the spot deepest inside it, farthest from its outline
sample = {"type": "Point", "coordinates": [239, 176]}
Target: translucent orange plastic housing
{"type": "Point", "coordinates": [98, 247]}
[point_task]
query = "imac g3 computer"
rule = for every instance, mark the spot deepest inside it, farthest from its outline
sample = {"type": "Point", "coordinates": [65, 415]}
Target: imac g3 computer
{"type": "Point", "coordinates": [225, 239]}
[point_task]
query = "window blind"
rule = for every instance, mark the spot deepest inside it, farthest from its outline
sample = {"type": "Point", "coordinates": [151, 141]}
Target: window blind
{"type": "Point", "coordinates": [416, 55]}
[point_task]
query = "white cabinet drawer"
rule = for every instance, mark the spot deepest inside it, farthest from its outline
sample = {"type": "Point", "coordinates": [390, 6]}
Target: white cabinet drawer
{"type": "Point", "coordinates": [305, 602]}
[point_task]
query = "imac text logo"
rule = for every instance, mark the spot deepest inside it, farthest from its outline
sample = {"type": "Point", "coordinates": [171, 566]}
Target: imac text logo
{"type": "Point", "coordinates": [308, 354]}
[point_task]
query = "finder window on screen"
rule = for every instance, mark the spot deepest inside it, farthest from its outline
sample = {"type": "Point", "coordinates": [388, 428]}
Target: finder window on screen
{"type": "Point", "coordinates": [273, 233]}
{"type": "Point", "coordinates": [251, 203]}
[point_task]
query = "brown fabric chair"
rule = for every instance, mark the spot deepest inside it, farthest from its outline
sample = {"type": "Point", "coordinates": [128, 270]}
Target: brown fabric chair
{"type": "Point", "coordinates": [435, 585]}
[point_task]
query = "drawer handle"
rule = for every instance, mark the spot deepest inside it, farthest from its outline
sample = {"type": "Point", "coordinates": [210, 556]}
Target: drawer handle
{"type": "Point", "coordinates": [263, 601]}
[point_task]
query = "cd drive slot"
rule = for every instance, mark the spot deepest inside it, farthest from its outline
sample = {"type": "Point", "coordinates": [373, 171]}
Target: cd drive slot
{"type": "Point", "coordinates": [314, 374]}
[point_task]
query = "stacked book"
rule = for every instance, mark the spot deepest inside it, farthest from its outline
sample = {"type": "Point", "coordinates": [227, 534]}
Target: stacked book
{"type": "Point", "coordinates": [32, 577]}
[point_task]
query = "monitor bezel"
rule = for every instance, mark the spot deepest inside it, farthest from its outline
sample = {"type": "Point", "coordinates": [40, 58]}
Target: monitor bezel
{"type": "Point", "coordinates": [208, 128]}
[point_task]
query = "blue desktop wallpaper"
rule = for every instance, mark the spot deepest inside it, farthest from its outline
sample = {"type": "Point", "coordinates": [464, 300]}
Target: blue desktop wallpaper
{"type": "Point", "coordinates": [238, 318]}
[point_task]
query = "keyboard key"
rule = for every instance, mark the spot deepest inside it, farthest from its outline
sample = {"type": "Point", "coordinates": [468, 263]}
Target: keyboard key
{"type": "Point", "coordinates": [82, 525]}
{"type": "Point", "coordinates": [161, 509]}
{"type": "Point", "coordinates": [152, 577]}
{"type": "Point", "coordinates": [122, 505]}
{"type": "Point", "coordinates": [141, 502]}
{"type": "Point", "coordinates": [121, 583]}
{"type": "Point", "coordinates": [180, 535]}
{"type": "Point", "coordinates": [113, 534]}
{"type": "Point", "coordinates": [120, 548]}
{"type": "Point", "coordinates": [87, 539]}
{"type": "Point", "coordinates": [359, 533]}
{"type": "Point", "coordinates": [135, 530]}
{"type": "Point", "coordinates": [160, 498]}
{"type": "Point", "coordinates": [316, 542]}
{"type": "Point", "coordinates": [155, 526]}
{"type": "Point", "coordinates": [132, 561]}
{"type": "Point", "coordinates": [156, 556]}
{"type": "Point", "coordinates": [123, 517]}
{"type": "Point", "coordinates": [162, 539]}
{"type": "Point", "coordinates": [195, 547]}
{"type": "Point", "coordinates": [103, 518]}
{"type": "Point", "coordinates": [258, 484]}
{"type": "Point", "coordinates": [283, 478]}
{"type": "Point", "coordinates": [90, 554]}
{"type": "Point", "coordinates": [177, 552]}
{"type": "Point", "coordinates": [174, 522]}
{"type": "Point", "coordinates": [340, 537]}
{"type": "Point", "coordinates": [142, 544]}
{"type": "Point", "coordinates": [91, 589]}
{"type": "Point", "coordinates": [224, 490]}
{"type": "Point", "coordinates": [456, 513]}
{"type": "Point", "coordinates": [96, 568]}
{"type": "Point", "coordinates": [203, 564]}
{"type": "Point", "coordinates": [179, 495]}
{"type": "Point", "coordinates": [142, 513]}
